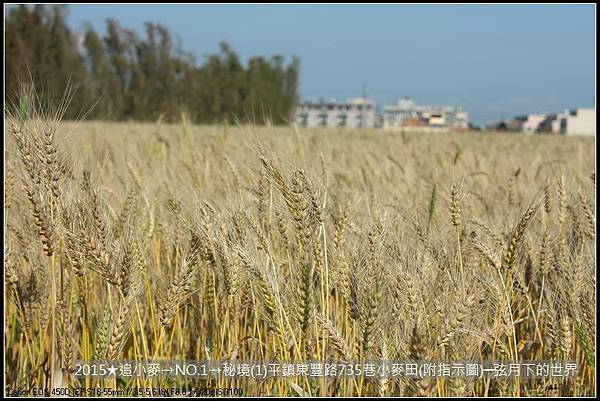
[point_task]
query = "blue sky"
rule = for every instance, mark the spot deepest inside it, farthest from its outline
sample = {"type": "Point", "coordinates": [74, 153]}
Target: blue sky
{"type": "Point", "coordinates": [496, 61]}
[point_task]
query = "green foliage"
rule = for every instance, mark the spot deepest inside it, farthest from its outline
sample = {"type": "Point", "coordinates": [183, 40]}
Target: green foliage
{"type": "Point", "coordinates": [24, 108]}
{"type": "Point", "coordinates": [585, 344]}
{"type": "Point", "coordinates": [126, 77]}
{"type": "Point", "coordinates": [431, 208]}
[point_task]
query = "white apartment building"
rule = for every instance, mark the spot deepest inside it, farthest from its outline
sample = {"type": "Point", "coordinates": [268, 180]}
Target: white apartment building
{"type": "Point", "coordinates": [353, 113]}
{"type": "Point", "coordinates": [533, 122]}
{"type": "Point", "coordinates": [576, 122]}
{"type": "Point", "coordinates": [408, 114]}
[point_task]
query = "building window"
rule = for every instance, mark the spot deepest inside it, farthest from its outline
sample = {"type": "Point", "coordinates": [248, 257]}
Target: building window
{"type": "Point", "coordinates": [303, 120]}
{"type": "Point", "coordinates": [323, 120]}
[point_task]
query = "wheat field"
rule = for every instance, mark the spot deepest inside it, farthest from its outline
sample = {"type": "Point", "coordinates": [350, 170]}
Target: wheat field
{"type": "Point", "coordinates": [133, 241]}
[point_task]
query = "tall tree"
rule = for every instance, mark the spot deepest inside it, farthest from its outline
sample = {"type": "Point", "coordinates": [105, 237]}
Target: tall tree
{"type": "Point", "coordinates": [142, 78]}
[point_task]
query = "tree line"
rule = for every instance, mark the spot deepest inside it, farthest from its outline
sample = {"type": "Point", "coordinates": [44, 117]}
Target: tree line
{"type": "Point", "coordinates": [122, 75]}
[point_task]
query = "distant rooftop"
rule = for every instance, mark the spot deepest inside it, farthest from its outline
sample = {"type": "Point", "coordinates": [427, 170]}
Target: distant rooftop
{"type": "Point", "coordinates": [407, 104]}
{"type": "Point", "coordinates": [334, 101]}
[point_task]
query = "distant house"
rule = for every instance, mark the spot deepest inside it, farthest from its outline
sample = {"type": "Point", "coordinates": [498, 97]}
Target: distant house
{"type": "Point", "coordinates": [534, 122]}
{"type": "Point", "coordinates": [415, 122]}
{"type": "Point", "coordinates": [353, 113]}
{"type": "Point", "coordinates": [575, 122]}
{"type": "Point", "coordinates": [408, 114]}
{"type": "Point", "coordinates": [546, 125]}
{"type": "Point", "coordinates": [511, 125]}
{"type": "Point", "coordinates": [572, 122]}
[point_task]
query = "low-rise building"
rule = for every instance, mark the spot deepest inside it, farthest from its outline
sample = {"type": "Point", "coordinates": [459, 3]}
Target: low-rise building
{"type": "Point", "coordinates": [353, 113]}
{"type": "Point", "coordinates": [580, 121]}
{"type": "Point", "coordinates": [408, 114]}
{"type": "Point", "coordinates": [534, 122]}
{"type": "Point", "coordinates": [576, 122]}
